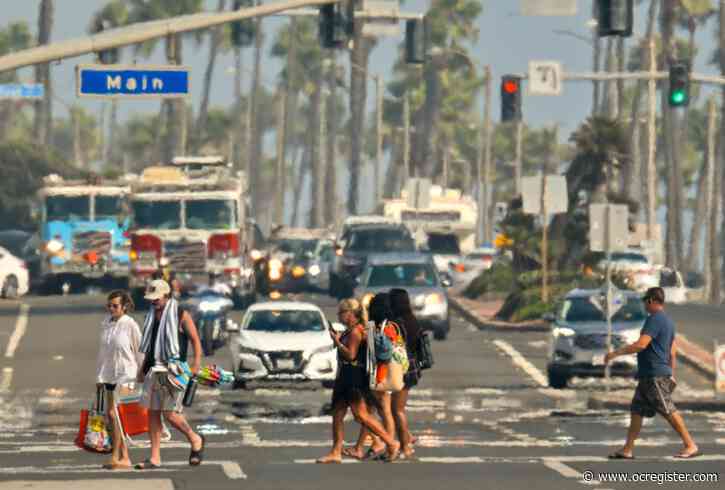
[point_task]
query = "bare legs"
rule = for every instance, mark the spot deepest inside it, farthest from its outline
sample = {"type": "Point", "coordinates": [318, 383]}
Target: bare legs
{"type": "Point", "coordinates": [399, 400]}
{"type": "Point", "coordinates": [677, 423]}
{"type": "Point", "coordinates": [178, 421]}
{"type": "Point", "coordinates": [119, 454]}
{"type": "Point", "coordinates": [338, 434]}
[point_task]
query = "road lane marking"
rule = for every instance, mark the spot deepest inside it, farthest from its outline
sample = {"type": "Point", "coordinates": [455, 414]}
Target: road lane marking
{"type": "Point", "coordinates": [555, 463]}
{"type": "Point", "coordinates": [521, 362]}
{"type": "Point", "coordinates": [6, 380]}
{"type": "Point", "coordinates": [21, 324]}
{"type": "Point", "coordinates": [231, 469]}
{"type": "Point", "coordinates": [129, 484]}
{"type": "Point", "coordinates": [561, 468]}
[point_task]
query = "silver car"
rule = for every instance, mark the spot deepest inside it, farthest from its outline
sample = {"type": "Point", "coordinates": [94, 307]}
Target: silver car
{"type": "Point", "coordinates": [415, 273]}
{"type": "Point", "coordinates": [578, 340]}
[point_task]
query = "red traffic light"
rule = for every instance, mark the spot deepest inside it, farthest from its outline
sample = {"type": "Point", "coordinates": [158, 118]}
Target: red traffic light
{"type": "Point", "coordinates": [510, 86]}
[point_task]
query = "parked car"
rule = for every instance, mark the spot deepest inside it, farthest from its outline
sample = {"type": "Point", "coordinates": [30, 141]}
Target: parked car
{"type": "Point", "coordinates": [578, 339]}
{"type": "Point", "coordinates": [283, 341]}
{"type": "Point", "coordinates": [14, 280]}
{"type": "Point", "coordinates": [354, 246]}
{"type": "Point", "coordinates": [417, 274]}
{"type": "Point", "coordinates": [444, 248]}
{"type": "Point", "coordinates": [470, 267]}
{"type": "Point", "coordinates": [671, 281]}
{"type": "Point", "coordinates": [641, 273]}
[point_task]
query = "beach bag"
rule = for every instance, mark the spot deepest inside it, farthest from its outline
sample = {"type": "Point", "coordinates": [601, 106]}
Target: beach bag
{"type": "Point", "coordinates": [134, 417]}
{"type": "Point", "coordinates": [424, 351]}
{"type": "Point", "coordinates": [389, 376]}
{"type": "Point", "coordinates": [93, 434]}
{"type": "Point", "coordinates": [179, 374]}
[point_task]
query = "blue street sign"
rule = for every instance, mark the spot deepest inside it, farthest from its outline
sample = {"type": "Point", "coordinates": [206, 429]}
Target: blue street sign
{"type": "Point", "coordinates": [21, 91]}
{"type": "Point", "coordinates": [132, 81]}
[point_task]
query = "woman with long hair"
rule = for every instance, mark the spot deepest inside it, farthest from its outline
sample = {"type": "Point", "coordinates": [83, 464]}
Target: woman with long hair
{"type": "Point", "coordinates": [117, 364]}
{"type": "Point", "coordinates": [352, 389]}
{"type": "Point", "coordinates": [403, 313]}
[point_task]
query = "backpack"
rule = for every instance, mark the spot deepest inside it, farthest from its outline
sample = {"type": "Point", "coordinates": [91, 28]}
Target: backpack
{"type": "Point", "coordinates": [424, 351]}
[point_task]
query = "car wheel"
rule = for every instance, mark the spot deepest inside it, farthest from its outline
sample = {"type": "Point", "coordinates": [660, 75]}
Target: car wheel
{"type": "Point", "coordinates": [10, 288]}
{"type": "Point", "coordinates": [557, 380]}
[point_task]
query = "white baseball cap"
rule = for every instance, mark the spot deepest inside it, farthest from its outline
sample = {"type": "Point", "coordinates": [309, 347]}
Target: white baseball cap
{"type": "Point", "coordinates": [157, 289]}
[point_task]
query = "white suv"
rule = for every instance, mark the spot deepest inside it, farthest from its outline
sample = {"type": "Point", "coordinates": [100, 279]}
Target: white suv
{"type": "Point", "coordinates": [13, 275]}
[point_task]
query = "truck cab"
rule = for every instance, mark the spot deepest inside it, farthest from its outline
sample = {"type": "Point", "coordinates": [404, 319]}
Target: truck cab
{"type": "Point", "coordinates": [83, 232]}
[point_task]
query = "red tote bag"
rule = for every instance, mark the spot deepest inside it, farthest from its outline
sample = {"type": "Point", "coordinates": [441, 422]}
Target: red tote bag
{"type": "Point", "coordinates": [134, 418]}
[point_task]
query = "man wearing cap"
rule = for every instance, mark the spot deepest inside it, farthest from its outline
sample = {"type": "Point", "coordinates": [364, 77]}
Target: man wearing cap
{"type": "Point", "coordinates": [168, 328]}
{"type": "Point", "coordinates": [656, 353]}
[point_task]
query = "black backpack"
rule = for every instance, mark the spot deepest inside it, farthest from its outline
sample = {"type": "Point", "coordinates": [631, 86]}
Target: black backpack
{"type": "Point", "coordinates": [424, 351]}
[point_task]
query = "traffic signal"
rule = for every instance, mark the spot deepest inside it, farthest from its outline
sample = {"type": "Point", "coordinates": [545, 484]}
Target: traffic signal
{"type": "Point", "coordinates": [109, 56]}
{"type": "Point", "coordinates": [243, 31]}
{"type": "Point", "coordinates": [616, 17]}
{"type": "Point", "coordinates": [510, 98]}
{"type": "Point", "coordinates": [679, 94]}
{"type": "Point", "coordinates": [415, 40]}
{"type": "Point", "coordinates": [333, 29]}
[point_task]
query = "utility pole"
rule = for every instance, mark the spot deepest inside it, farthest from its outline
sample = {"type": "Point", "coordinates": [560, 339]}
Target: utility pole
{"type": "Point", "coordinates": [518, 164]}
{"type": "Point", "coordinates": [544, 240]}
{"type": "Point", "coordinates": [483, 227]}
{"type": "Point", "coordinates": [651, 145]}
{"type": "Point", "coordinates": [378, 135]}
{"type": "Point", "coordinates": [710, 201]}
{"type": "Point", "coordinates": [281, 175]}
{"type": "Point", "coordinates": [319, 197]}
{"type": "Point", "coordinates": [406, 138]}
{"type": "Point", "coordinates": [446, 162]}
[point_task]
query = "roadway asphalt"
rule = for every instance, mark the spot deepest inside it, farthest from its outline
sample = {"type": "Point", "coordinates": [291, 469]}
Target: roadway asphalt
{"type": "Point", "coordinates": [483, 415]}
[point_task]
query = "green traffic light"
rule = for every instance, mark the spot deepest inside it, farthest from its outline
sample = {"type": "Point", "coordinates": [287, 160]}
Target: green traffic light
{"type": "Point", "coordinates": [678, 97]}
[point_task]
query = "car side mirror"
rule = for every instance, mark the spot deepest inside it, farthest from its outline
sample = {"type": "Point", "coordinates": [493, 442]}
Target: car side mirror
{"type": "Point", "coordinates": [548, 317]}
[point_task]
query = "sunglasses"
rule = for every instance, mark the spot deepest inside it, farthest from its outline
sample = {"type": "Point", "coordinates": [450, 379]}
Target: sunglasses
{"type": "Point", "coordinates": [114, 305]}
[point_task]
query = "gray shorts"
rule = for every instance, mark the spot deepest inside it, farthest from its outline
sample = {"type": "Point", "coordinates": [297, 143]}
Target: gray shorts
{"type": "Point", "coordinates": [654, 395]}
{"type": "Point", "coordinates": [159, 394]}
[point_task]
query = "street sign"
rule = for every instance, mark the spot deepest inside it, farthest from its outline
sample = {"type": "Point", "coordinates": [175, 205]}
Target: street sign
{"type": "Point", "coordinates": [381, 18]}
{"type": "Point", "coordinates": [21, 91]}
{"type": "Point", "coordinates": [418, 193]}
{"type": "Point", "coordinates": [132, 81]}
{"type": "Point", "coordinates": [618, 227]}
{"type": "Point", "coordinates": [557, 197]}
{"type": "Point", "coordinates": [544, 78]}
{"type": "Point", "coordinates": [548, 7]}
{"type": "Point", "coordinates": [720, 369]}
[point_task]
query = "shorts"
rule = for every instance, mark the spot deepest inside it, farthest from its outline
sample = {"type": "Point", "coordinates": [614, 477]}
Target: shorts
{"type": "Point", "coordinates": [654, 395]}
{"type": "Point", "coordinates": [159, 394]}
{"type": "Point", "coordinates": [109, 386]}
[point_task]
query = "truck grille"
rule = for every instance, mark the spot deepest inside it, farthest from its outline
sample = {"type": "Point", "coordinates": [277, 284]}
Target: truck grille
{"type": "Point", "coordinates": [597, 341]}
{"type": "Point", "coordinates": [186, 256]}
{"type": "Point", "coordinates": [92, 241]}
{"type": "Point", "coordinates": [285, 361]}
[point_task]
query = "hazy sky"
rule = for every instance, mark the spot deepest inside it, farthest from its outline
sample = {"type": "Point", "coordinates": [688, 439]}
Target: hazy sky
{"type": "Point", "coordinates": [507, 42]}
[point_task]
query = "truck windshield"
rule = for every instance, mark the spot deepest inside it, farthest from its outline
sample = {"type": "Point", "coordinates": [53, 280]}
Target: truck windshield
{"type": "Point", "coordinates": [108, 207]}
{"type": "Point", "coordinates": [162, 215]}
{"type": "Point", "coordinates": [210, 214]}
{"type": "Point", "coordinates": [63, 208]}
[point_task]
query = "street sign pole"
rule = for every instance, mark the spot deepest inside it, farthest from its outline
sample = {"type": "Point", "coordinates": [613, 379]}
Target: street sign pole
{"type": "Point", "coordinates": [608, 245]}
{"type": "Point", "coordinates": [544, 242]}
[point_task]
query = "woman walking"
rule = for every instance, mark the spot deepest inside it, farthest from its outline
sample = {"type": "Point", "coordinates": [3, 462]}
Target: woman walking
{"type": "Point", "coordinates": [403, 313]}
{"type": "Point", "coordinates": [352, 389]}
{"type": "Point", "coordinates": [117, 364]}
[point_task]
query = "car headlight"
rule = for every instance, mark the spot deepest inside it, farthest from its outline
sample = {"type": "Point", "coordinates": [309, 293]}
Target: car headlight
{"type": "Point", "coordinates": [434, 299]}
{"type": "Point", "coordinates": [314, 270]}
{"type": "Point", "coordinates": [563, 331]}
{"type": "Point", "coordinates": [275, 264]}
{"type": "Point", "coordinates": [298, 271]}
{"type": "Point", "coordinates": [255, 254]}
{"type": "Point", "coordinates": [54, 246]}
{"type": "Point", "coordinates": [164, 261]}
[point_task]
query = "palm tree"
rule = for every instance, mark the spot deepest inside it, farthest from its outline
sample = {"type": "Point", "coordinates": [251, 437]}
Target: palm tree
{"type": "Point", "coordinates": [14, 37]}
{"type": "Point", "coordinates": [173, 141]}
{"type": "Point", "coordinates": [43, 122]}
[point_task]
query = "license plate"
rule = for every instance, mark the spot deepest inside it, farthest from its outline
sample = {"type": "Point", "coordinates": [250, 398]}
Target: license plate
{"type": "Point", "coordinates": [598, 360]}
{"type": "Point", "coordinates": [285, 364]}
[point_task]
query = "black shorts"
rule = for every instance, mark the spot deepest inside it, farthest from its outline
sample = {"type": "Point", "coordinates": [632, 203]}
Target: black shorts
{"type": "Point", "coordinates": [109, 386]}
{"type": "Point", "coordinates": [654, 395]}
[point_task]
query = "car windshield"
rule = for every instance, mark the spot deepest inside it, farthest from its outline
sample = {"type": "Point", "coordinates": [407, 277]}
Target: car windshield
{"type": "Point", "coordinates": [628, 257]}
{"type": "Point", "coordinates": [14, 242]}
{"type": "Point", "coordinates": [279, 321]}
{"type": "Point", "coordinates": [108, 207]}
{"type": "Point", "coordinates": [210, 214]}
{"type": "Point", "coordinates": [162, 215]}
{"type": "Point", "coordinates": [406, 275]}
{"type": "Point", "coordinates": [584, 310]}
{"type": "Point", "coordinates": [443, 244]}
{"type": "Point", "coordinates": [295, 246]}
{"type": "Point", "coordinates": [380, 240]}
{"type": "Point", "coordinates": [62, 208]}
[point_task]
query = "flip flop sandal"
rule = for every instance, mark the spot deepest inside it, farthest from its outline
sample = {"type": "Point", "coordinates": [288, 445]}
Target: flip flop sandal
{"type": "Point", "coordinates": [688, 456]}
{"type": "Point", "coordinates": [196, 457]}
{"type": "Point", "coordinates": [371, 454]}
{"type": "Point", "coordinates": [351, 453]}
{"type": "Point", "coordinates": [147, 465]}
{"type": "Point", "coordinates": [619, 455]}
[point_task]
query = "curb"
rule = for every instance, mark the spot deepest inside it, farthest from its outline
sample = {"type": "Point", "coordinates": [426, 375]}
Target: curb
{"type": "Point", "coordinates": [598, 402]}
{"type": "Point", "coordinates": [496, 325]}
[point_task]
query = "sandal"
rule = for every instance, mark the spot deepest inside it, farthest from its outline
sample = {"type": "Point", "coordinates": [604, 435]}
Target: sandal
{"type": "Point", "coordinates": [619, 455]}
{"type": "Point", "coordinates": [392, 455]}
{"type": "Point", "coordinates": [196, 457]}
{"type": "Point", "coordinates": [688, 455]}
{"type": "Point", "coordinates": [351, 452]}
{"type": "Point", "coordinates": [328, 460]}
{"type": "Point", "coordinates": [147, 465]}
{"type": "Point", "coordinates": [372, 454]}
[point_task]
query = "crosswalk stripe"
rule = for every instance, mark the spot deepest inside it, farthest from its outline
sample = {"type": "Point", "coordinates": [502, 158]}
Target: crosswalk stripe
{"type": "Point", "coordinates": [521, 362]}
{"type": "Point", "coordinates": [231, 469]}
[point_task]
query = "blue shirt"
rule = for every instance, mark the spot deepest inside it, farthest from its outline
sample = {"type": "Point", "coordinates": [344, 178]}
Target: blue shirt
{"type": "Point", "coordinates": [655, 359]}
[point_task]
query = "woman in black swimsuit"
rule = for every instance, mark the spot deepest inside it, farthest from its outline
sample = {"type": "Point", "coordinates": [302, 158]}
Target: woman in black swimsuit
{"type": "Point", "coordinates": [351, 385]}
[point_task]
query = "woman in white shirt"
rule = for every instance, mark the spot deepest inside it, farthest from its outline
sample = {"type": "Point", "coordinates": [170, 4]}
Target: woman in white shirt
{"type": "Point", "coordinates": [118, 358]}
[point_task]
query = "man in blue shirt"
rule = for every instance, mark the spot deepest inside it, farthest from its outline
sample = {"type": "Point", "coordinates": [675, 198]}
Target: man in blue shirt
{"type": "Point", "coordinates": [656, 353]}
